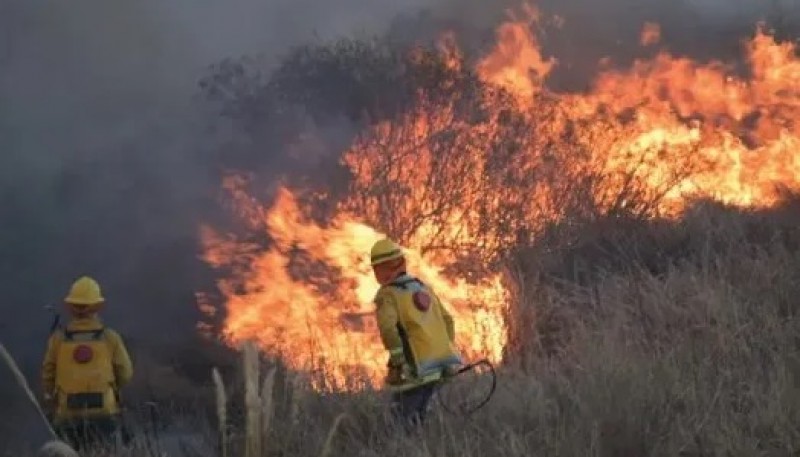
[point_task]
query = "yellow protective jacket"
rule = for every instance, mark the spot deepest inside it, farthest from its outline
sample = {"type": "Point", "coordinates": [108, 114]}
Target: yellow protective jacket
{"type": "Point", "coordinates": [81, 385]}
{"type": "Point", "coordinates": [413, 321]}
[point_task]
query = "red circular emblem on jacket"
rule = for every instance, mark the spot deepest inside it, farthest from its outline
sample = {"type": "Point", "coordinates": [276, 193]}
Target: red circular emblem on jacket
{"type": "Point", "coordinates": [82, 354]}
{"type": "Point", "coordinates": [422, 301]}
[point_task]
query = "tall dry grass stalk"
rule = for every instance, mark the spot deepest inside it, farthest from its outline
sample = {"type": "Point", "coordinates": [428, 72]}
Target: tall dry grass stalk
{"type": "Point", "coordinates": [222, 411]}
{"type": "Point", "coordinates": [298, 393]}
{"type": "Point", "coordinates": [56, 449]}
{"type": "Point", "coordinates": [267, 407]}
{"type": "Point", "coordinates": [258, 404]}
{"type": "Point", "coordinates": [326, 449]}
{"type": "Point", "coordinates": [252, 401]}
{"type": "Point", "coordinates": [23, 383]}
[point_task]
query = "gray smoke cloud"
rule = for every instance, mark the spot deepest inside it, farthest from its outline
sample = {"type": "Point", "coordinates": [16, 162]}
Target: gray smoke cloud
{"type": "Point", "coordinates": [97, 111]}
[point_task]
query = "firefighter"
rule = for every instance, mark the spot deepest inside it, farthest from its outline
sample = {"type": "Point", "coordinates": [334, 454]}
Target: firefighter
{"type": "Point", "coordinates": [417, 331]}
{"type": "Point", "coordinates": [85, 365]}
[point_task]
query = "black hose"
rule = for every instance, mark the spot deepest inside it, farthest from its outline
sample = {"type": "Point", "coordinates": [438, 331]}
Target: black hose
{"type": "Point", "coordinates": [465, 369]}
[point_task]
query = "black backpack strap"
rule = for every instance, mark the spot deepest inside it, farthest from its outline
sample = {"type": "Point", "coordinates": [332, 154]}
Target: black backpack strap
{"type": "Point", "coordinates": [95, 334]}
{"type": "Point", "coordinates": [407, 353]}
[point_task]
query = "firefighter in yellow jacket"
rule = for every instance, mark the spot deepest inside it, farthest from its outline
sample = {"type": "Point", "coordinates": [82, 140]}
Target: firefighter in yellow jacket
{"type": "Point", "coordinates": [416, 330]}
{"type": "Point", "coordinates": [84, 367]}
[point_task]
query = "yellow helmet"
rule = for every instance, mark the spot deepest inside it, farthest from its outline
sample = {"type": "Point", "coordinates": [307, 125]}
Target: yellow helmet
{"type": "Point", "coordinates": [383, 251]}
{"type": "Point", "coordinates": [85, 291]}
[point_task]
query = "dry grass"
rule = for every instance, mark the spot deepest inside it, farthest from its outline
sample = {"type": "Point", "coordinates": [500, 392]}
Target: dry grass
{"type": "Point", "coordinates": [691, 353]}
{"type": "Point", "coordinates": [56, 449]}
{"type": "Point", "coordinates": [259, 407]}
{"type": "Point", "coordinates": [252, 401]}
{"type": "Point", "coordinates": [267, 408]}
{"type": "Point", "coordinates": [222, 412]}
{"type": "Point", "coordinates": [687, 344]}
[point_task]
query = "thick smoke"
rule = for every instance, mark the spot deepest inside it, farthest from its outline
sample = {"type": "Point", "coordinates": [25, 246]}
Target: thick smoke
{"type": "Point", "coordinates": [103, 165]}
{"type": "Point", "coordinates": [107, 167]}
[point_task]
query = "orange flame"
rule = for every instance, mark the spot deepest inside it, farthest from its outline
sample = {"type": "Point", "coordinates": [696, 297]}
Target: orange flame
{"type": "Point", "coordinates": [517, 62]}
{"type": "Point", "coordinates": [287, 300]}
{"type": "Point", "coordinates": [651, 34]}
{"type": "Point", "coordinates": [748, 129]}
{"type": "Point", "coordinates": [675, 128]}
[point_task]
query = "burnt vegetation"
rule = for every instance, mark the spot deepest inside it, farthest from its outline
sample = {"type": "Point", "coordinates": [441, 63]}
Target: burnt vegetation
{"type": "Point", "coordinates": [422, 126]}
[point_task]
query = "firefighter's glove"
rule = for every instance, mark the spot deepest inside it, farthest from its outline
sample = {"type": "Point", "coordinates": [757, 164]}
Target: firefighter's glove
{"type": "Point", "coordinates": [396, 369]}
{"type": "Point", "coordinates": [395, 376]}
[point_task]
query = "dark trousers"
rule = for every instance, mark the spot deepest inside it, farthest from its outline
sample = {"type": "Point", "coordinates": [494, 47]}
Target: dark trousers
{"type": "Point", "coordinates": [90, 432]}
{"type": "Point", "coordinates": [411, 406]}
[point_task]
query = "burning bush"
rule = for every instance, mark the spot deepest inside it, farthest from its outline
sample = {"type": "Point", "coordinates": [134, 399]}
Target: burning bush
{"type": "Point", "coordinates": [467, 160]}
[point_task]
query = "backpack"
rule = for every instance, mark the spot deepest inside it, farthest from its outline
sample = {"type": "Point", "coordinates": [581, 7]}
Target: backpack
{"type": "Point", "coordinates": [426, 343]}
{"type": "Point", "coordinates": [85, 380]}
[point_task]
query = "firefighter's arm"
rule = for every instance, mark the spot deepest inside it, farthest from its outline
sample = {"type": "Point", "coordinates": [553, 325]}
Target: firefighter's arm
{"type": "Point", "coordinates": [49, 367]}
{"type": "Point", "coordinates": [387, 325]}
{"type": "Point", "coordinates": [123, 367]}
